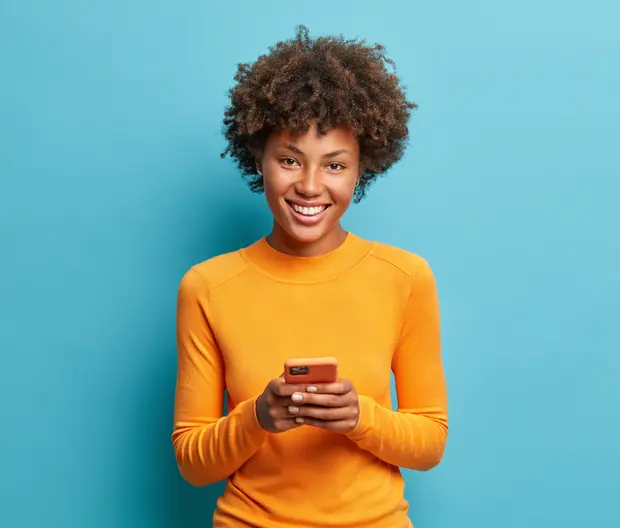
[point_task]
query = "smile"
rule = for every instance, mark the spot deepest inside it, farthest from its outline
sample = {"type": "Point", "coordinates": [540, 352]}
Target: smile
{"type": "Point", "coordinates": [308, 211]}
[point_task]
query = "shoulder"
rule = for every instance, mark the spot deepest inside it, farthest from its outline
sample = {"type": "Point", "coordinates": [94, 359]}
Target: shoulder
{"type": "Point", "coordinates": [415, 271]}
{"type": "Point", "coordinates": [409, 263]}
{"type": "Point", "coordinates": [214, 271]}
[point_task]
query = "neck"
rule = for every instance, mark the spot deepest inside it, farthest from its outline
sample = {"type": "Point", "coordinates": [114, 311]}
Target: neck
{"type": "Point", "coordinates": [286, 267]}
{"type": "Point", "coordinates": [283, 242]}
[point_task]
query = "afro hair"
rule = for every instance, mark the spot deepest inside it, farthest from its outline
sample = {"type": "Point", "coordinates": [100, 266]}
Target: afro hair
{"type": "Point", "coordinates": [329, 81]}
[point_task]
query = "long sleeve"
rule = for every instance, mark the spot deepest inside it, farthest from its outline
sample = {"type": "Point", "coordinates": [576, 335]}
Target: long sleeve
{"type": "Point", "coordinates": [209, 447]}
{"type": "Point", "coordinates": [415, 435]}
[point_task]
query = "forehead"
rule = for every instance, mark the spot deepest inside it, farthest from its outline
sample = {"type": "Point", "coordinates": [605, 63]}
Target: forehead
{"type": "Point", "coordinates": [337, 138]}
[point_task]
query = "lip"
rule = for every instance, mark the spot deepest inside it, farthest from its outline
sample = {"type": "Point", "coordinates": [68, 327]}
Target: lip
{"type": "Point", "coordinates": [306, 220]}
{"type": "Point", "coordinates": [307, 204]}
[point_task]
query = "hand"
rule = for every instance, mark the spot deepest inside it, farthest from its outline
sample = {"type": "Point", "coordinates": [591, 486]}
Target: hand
{"type": "Point", "coordinates": [332, 406]}
{"type": "Point", "coordinates": [272, 406]}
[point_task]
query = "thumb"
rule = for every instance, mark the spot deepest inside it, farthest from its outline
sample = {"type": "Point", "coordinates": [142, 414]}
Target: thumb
{"type": "Point", "coordinates": [275, 384]}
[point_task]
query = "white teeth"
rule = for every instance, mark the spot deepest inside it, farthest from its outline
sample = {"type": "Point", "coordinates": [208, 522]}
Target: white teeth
{"type": "Point", "coordinates": [308, 211]}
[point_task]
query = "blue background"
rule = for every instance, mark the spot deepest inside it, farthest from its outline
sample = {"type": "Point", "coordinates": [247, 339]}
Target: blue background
{"type": "Point", "coordinates": [112, 186]}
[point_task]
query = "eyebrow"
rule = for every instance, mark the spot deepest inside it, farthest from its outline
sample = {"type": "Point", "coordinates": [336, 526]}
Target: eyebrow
{"type": "Point", "coordinates": [294, 149]}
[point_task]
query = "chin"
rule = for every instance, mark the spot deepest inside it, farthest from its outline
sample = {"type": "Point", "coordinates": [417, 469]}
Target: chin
{"type": "Point", "coordinates": [297, 231]}
{"type": "Point", "coordinates": [306, 235]}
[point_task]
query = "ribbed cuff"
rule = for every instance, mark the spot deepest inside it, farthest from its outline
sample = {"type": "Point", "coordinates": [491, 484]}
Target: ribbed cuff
{"type": "Point", "coordinates": [366, 420]}
{"type": "Point", "coordinates": [249, 421]}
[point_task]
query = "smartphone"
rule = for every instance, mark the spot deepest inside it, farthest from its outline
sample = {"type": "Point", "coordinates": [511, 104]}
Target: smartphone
{"type": "Point", "coordinates": [311, 370]}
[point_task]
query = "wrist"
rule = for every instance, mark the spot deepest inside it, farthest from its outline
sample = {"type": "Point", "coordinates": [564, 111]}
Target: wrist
{"type": "Point", "coordinates": [364, 418]}
{"type": "Point", "coordinates": [258, 407]}
{"type": "Point", "coordinates": [248, 421]}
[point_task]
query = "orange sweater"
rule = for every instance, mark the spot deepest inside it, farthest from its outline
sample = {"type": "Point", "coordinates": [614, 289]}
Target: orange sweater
{"type": "Point", "coordinates": [241, 315]}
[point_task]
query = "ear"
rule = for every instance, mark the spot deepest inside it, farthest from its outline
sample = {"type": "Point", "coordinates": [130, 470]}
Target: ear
{"type": "Point", "coordinates": [259, 167]}
{"type": "Point", "coordinates": [359, 175]}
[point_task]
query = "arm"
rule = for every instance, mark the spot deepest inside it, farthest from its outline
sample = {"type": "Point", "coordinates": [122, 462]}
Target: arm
{"type": "Point", "coordinates": [208, 447]}
{"type": "Point", "coordinates": [413, 437]}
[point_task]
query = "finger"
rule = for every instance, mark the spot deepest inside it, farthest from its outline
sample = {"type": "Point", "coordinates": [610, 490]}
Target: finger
{"type": "Point", "coordinates": [322, 413]}
{"type": "Point", "coordinates": [342, 386]}
{"type": "Point", "coordinates": [322, 400]}
{"type": "Point", "coordinates": [280, 413]}
{"type": "Point", "coordinates": [279, 401]}
{"type": "Point", "coordinates": [279, 387]}
{"type": "Point", "coordinates": [340, 426]}
{"type": "Point", "coordinates": [285, 424]}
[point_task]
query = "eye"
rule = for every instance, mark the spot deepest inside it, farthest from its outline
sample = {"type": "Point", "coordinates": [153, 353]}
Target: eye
{"type": "Point", "coordinates": [336, 166]}
{"type": "Point", "coordinates": [289, 162]}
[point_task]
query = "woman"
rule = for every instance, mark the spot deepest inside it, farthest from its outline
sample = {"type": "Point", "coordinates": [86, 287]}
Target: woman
{"type": "Point", "coordinates": [312, 124]}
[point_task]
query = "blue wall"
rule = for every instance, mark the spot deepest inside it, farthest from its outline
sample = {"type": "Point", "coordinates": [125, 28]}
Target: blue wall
{"type": "Point", "coordinates": [111, 187]}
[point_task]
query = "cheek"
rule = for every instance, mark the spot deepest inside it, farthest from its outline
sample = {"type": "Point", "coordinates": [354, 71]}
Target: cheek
{"type": "Point", "coordinates": [271, 183]}
{"type": "Point", "coordinates": [268, 186]}
{"type": "Point", "coordinates": [271, 195]}
{"type": "Point", "coordinates": [275, 187]}
{"type": "Point", "coordinates": [343, 193]}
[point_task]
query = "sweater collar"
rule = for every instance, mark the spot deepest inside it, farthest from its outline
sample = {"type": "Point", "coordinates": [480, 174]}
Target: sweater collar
{"type": "Point", "coordinates": [291, 268]}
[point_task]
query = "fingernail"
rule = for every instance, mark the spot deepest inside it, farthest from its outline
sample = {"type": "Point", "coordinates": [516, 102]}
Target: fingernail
{"type": "Point", "coordinates": [297, 397]}
{"type": "Point", "coordinates": [311, 388]}
{"type": "Point", "coordinates": [299, 419]}
{"type": "Point", "coordinates": [292, 409]}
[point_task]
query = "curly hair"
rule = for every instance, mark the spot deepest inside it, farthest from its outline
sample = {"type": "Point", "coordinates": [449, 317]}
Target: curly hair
{"type": "Point", "coordinates": [327, 80]}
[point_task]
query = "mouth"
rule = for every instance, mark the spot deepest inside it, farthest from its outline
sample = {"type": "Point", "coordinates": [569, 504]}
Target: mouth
{"type": "Point", "coordinates": [307, 214]}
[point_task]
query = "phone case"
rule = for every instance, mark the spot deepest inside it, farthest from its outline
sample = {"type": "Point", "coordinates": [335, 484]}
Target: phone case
{"type": "Point", "coordinates": [311, 370]}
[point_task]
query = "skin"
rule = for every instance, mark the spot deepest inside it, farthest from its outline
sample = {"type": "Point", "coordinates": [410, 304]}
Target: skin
{"type": "Point", "coordinates": [309, 170]}
{"type": "Point", "coordinates": [332, 406]}
{"type": "Point", "coordinates": [304, 170]}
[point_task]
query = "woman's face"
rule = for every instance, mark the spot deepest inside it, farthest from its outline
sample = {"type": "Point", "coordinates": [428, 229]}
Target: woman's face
{"type": "Point", "coordinates": [309, 183]}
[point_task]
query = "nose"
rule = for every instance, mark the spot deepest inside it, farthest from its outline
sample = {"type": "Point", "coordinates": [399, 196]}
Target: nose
{"type": "Point", "coordinates": [310, 183]}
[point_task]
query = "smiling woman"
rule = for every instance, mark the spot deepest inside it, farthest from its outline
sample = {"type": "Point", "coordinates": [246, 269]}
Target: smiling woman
{"type": "Point", "coordinates": [311, 124]}
{"type": "Point", "coordinates": [309, 183]}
